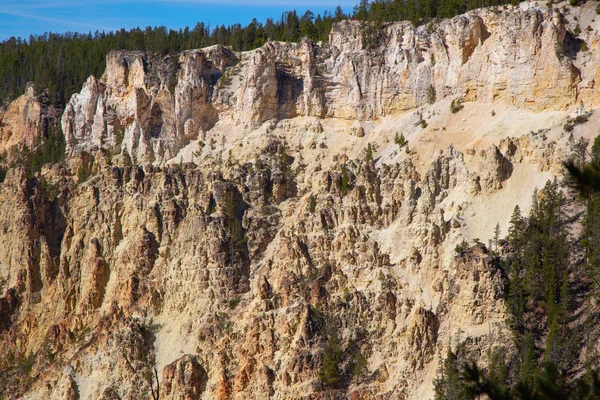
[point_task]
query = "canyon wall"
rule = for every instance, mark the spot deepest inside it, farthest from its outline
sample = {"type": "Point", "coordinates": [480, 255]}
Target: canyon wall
{"type": "Point", "coordinates": [153, 106]}
{"type": "Point", "coordinates": [225, 221]}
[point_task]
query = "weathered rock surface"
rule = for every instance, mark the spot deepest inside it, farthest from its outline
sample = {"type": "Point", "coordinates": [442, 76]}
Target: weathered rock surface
{"type": "Point", "coordinates": [24, 122]}
{"type": "Point", "coordinates": [153, 106]}
{"type": "Point", "coordinates": [128, 269]}
{"type": "Point", "coordinates": [219, 218]}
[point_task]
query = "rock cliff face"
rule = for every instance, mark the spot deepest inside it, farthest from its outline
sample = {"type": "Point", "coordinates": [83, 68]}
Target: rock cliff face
{"type": "Point", "coordinates": [24, 122]}
{"type": "Point", "coordinates": [154, 106]}
{"type": "Point", "coordinates": [219, 226]}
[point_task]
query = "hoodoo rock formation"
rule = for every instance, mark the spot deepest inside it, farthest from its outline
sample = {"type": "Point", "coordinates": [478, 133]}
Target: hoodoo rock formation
{"type": "Point", "coordinates": [225, 221]}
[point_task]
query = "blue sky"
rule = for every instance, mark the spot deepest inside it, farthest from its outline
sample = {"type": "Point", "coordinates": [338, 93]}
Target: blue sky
{"type": "Point", "coordinates": [26, 17]}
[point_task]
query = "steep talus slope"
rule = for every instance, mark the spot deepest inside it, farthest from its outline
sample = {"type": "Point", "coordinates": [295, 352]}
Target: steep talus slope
{"type": "Point", "coordinates": [220, 228]}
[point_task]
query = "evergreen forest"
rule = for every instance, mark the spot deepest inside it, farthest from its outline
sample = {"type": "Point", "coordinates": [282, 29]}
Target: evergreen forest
{"type": "Point", "coordinates": [550, 261]}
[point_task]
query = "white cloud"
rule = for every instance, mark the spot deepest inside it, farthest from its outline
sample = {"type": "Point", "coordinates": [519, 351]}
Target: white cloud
{"type": "Point", "coordinates": [17, 13]}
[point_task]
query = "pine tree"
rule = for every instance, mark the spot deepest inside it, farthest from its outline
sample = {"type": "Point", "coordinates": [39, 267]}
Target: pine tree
{"type": "Point", "coordinates": [369, 153]}
{"type": "Point", "coordinates": [591, 239]}
{"type": "Point", "coordinates": [595, 153]}
{"type": "Point", "coordinates": [528, 366]}
{"type": "Point", "coordinates": [431, 94]}
{"type": "Point", "coordinates": [450, 385]}
{"type": "Point", "coordinates": [516, 227]}
{"type": "Point", "coordinates": [496, 235]}
{"type": "Point", "coordinates": [338, 14]}
{"type": "Point", "coordinates": [330, 364]}
{"type": "Point", "coordinates": [345, 181]}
